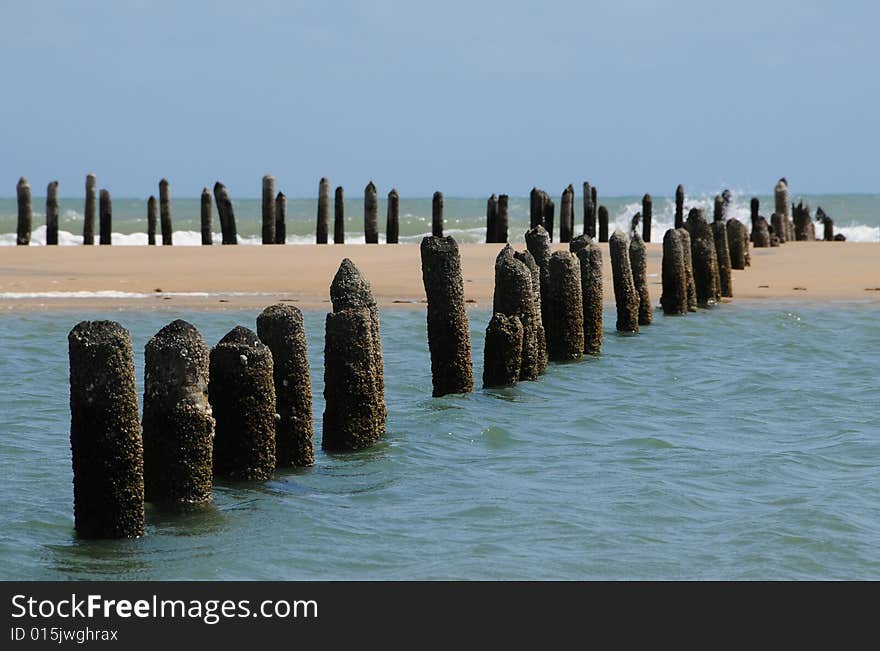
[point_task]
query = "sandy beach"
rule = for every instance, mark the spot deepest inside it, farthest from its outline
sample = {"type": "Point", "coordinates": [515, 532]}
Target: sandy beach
{"type": "Point", "coordinates": [45, 278]}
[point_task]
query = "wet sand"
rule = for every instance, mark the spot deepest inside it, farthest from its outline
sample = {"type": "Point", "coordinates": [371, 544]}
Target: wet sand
{"type": "Point", "coordinates": [236, 277]}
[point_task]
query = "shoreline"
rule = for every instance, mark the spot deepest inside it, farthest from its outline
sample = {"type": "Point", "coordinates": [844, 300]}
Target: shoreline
{"type": "Point", "coordinates": [231, 278]}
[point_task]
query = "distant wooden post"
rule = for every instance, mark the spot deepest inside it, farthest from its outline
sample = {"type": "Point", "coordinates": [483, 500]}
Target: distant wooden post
{"type": "Point", "coordinates": [339, 216]}
{"type": "Point", "coordinates": [718, 209]}
{"type": "Point", "coordinates": [679, 207]}
{"type": "Point", "coordinates": [625, 295]}
{"type": "Point", "coordinates": [638, 260]}
{"type": "Point", "coordinates": [25, 212]}
{"type": "Point", "coordinates": [501, 223]}
{"type": "Point", "coordinates": [780, 199]}
{"type": "Point", "coordinates": [268, 209]}
{"type": "Point", "coordinates": [152, 219]}
{"type": "Point", "coordinates": [549, 214]}
{"type": "Point", "coordinates": [722, 253]}
{"type": "Point", "coordinates": [392, 221]}
{"type": "Point", "coordinates": [754, 207]}
{"type": "Point", "coordinates": [536, 208]}
{"type": "Point", "coordinates": [566, 215]}
{"type": "Point", "coordinates": [491, 228]}
{"type": "Point", "coordinates": [589, 222]}
{"type": "Point", "coordinates": [371, 214]}
{"type": "Point", "coordinates": [594, 204]}
{"type": "Point", "coordinates": [165, 212]}
{"type": "Point", "coordinates": [590, 257]}
{"type": "Point", "coordinates": [674, 299]}
{"type": "Point", "coordinates": [280, 218]}
{"type": "Point", "coordinates": [647, 217]}
{"type": "Point", "coordinates": [52, 214]}
{"type": "Point", "coordinates": [323, 220]}
{"type": "Point", "coordinates": [226, 213]}
{"type": "Point", "coordinates": [736, 243]}
{"type": "Point", "coordinates": [105, 216]}
{"type": "Point", "coordinates": [90, 209]}
{"type": "Point", "coordinates": [603, 224]}
{"type": "Point", "coordinates": [437, 215]}
{"type": "Point", "coordinates": [206, 217]}
{"type": "Point", "coordinates": [565, 325]}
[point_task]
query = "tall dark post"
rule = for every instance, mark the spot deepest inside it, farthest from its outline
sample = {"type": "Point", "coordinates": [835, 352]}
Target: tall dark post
{"type": "Point", "coordinates": [437, 214]}
{"type": "Point", "coordinates": [323, 223]}
{"type": "Point", "coordinates": [52, 213]}
{"type": "Point", "coordinates": [280, 218]}
{"type": "Point", "coordinates": [624, 289]}
{"type": "Point", "coordinates": [371, 214]}
{"type": "Point", "coordinates": [549, 215]}
{"type": "Point", "coordinates": [178, 425]}
{"type": "Point", "coordinates": [761, 233]}
{"type": "Point", "coordinates": [722, 252]}
{"type": "Point", "coordinates": [242, 393]}
{"type": "Point", "coordinates": [226, 214]}
{"type": "Point", "coordinates": [540, 337]}
{"type": "Point", "coordinates": [392, 221]}
{"type": "Point", "coordinates": [647, 217]}
{"type": "Point", "coordinates": [165, 212]}
{"type": "Point", "coordinates": [705, 259]}
{"type": "Point", "coordinates": [780, 199]}
{"type": "Point", "coordinates": [152, 219]}
{"type": "Point", "coordinates": [754, 207]}
{"type": "Point", "coordinates": [448, 333]}
{"type": "Point", "coordinates": [105, 216]}
{"type": "Point", "coordinates": [206, 217]}
{"type": "Point", "coordinates": [538, 244]}
{"type": "Point", "coordinates": [25, 212]}
{"type": "Point", "coordinates": [501, 223]}
{"type": "Point", "coordinates": [590, 257]}
{"type": "Point", "coordinates": [565, 326]}
{"type": "Point", "coordinates": [339, 216]}
{"type": "Point", "coordinates": [536, 208]}
{"type": "Point", "coordinates": [105, 433]}
{"type": "Point", "coordinates": [679, 206]}
{"type": "Point", "coordinates": [603, 224]}
{"type": "Point", "coordinates": [268, 209]}
{"type": "Point", "coordinates": [502, 356]}
{"type": "Point", "coordinates": [281, 328]}
{"type": "Point", "coordinates": [691, 288]}
{"type": "Point", "coordinates": [566, 215]}
{"type": "Point", "coordinates": [491, 219]}
{"type": "Point", "coordinates": [736, 243]}
{"type": "Point", "coordinates": [638, 260]}
{"type": "Point", "coordinates": [355, 413]}
{"type": "Point", "coordinates": [594, 204]}
{"type": "Point", "coordinates": [90, 209]}
{"type": "Point", "coordinates": [674, 299]}
{"type": "Point", "coordinates": [589, 222]}
{"type": "Point", "coordinates": [515, 297]}
{"type": "Point", "coordinates": [718, 209]}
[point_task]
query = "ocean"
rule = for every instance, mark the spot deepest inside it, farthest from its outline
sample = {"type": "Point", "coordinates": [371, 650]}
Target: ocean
{"type": "Point", "coordinates": [855, 215]}
{"type": "Point", "coordinates": [740, 442]}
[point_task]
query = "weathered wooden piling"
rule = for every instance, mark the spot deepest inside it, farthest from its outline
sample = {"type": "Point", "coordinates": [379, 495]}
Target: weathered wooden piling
{"type": "Point", "coordinates": [594, 204]}
{"type": "Point", "coordinates": [565, 326]}
{"type": "Point", "coordinates": [502, 355]}
{"type": "Point", "coordinates": [540, 337]}
{"type": "Point", "coordinates": [589, 222]}
{"type": "Point", "coordinates": [718, 209]}
{"type": "Point", "coordinates": [705, 260]}
{"type": "Point", "coordinates": [152, 220]}
{"type": "Point", "coordinates": [52, 206]}
{"type": "Point", "coordinates": [538, 244]}
{"type": "Point", "coordinates": [281, 328]}
{"type": "Point", "coordinates": [322, 226]}
{"type": "Point", "coordinates": [638, 261]}
{"type": "Point", "coordinates": [536, 208]}
{"type": "Point", "coordinates": [736, 244]}
{"type": "Point", "coordinates": [754, 207]}
{"type": "Point", "coordinates": [267, 205]}
{"type": "Point", "coordinates": [354, 389]}
{"type": "Point", "coordinates": [90, 209]}
{"type": "Point", "coordinates": [804, 230]}
{"type": "Point", "coordinates": [515, 297]}
{"type": "Point", "coordinates": [778, 227]}
{"type": "Point", "coordinates": [761, 233]}
{"type": "Point", "coordinates": [280, 218]}
{"type": "Point", "coordinates": [566, 215]}
{"type": "Point", "coordinates": [242, 393]}
{"type": "Point", "coordinates": [647, 217]}
{"type": "Point", "coordinates": [105, 434]}
{"type": "Point", "coordinates": [178, 423]}
{"type": "Point", "coordinates": [827, 225]}
{"type": "Point", "coordinates": [589, 256]}
{"type": "Point", "coordinates": [722, 253]}
{"type": "Point", "coordinates": [437, 214]}
{"type": "Point", "coordinates": [25, 212]}
{"type": "Point", "coordinates": [371, 214]}
{"type": "Point", "coordinates": [448, 333]}
{"type": "Point", "coordinates": [679, 207]}
{"type": "Point", "coordinates": [165, 212]}
{"type": "Point", "coordinates": [205, 217]}
{"type": "Point", "coordinates": [339, 216]}
{"type": "Point", "coordinates": [625, 295]}
{"type": "Point", "coordinates": [105, 217]}
{"type": "Point", "coordinates": [635, 225]}
{"type": "Point", "coordinates": [781, 207]}
{"type": "Point", "coordinates": [685, 239]}
{"type": "Point", "coordinates": [603, 224]}
{"type": "Point", "coordinates": [226, 214]}
{"type": "Point", "coordinates": [674, 299]}
{"type": "Point", "coordinates": [491, 218]}
{"type": "Point", "coordinates": [502, 222]}
{"type": "Point", "coordinates": [549, 215]}
{"type": "Point", "coordinates": [392, 221]}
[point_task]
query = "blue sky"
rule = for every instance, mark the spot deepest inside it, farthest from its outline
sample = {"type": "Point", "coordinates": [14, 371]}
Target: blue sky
{"type": "Point", "coordinates": [469, 98]}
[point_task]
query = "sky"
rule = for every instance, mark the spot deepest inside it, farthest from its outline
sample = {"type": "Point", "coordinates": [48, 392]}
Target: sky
{"type": "Point", "coordinates": [469, 98]}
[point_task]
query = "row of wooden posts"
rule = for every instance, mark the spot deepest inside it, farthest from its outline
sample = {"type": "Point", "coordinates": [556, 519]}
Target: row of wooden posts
{"type": "Point", "coordinates": [244, 408]}
{"type": "Point", "coordinates": [782, 225]}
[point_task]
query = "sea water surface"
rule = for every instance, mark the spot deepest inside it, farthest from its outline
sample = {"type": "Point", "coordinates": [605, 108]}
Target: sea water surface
{"type": "Point", "coordinates": [857, 216]}
{"type": "Point", "coordinates": [736, 443]}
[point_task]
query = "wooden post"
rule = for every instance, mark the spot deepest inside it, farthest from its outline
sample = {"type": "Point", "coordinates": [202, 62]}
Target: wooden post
{"type": "Point", "coordinates": [501, 223]}
{"type": "Point", "coordinates": [674, 299]}
{"type": "Point", "coordinates": [226, 213]}
{"type": "Point", "coordinates": [625, 295]}
{"type": "Point", "coordinates": [392, 221]}
{"type": "Point", "coordinates": [206, 217]}
{"type": "Point", "coordinates": [679, 207]}
{"type": "Point", "coordinates": [437, 215]}
{"type": "Point", "coordinates": [165, 212]}
{"type": "Point", "coordinates": [90, 210]}
{"type": "Point", "coordinates": [323, 220]}
{"type": "Point", "coordinates": [152, 218]}
{"type": "Point", "coordinates": [52, 214]}
{"type": "Point", "coordinates": [25, 212]}
{"type": "Point", "coordinates": [280, 218]}
{"type": "Point", "coordinates": [105, 215]}
{"type": "Point", "coordinates": [492, 221]}
{"type": "Point", "coordinates": [647, 217]}
{"type": "Point", "coordinates": [268, 209]}
{"type": "Point", "coordinates": [371, 214]}
{"type": "Point", "coordinates": [339, 216]}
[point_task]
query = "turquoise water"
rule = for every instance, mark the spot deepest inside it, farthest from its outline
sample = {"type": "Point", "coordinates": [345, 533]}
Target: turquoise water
{"type": "Point", "coordinates": [736, 443]}
{"type": "Point", "coordinates": [855, 215]}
